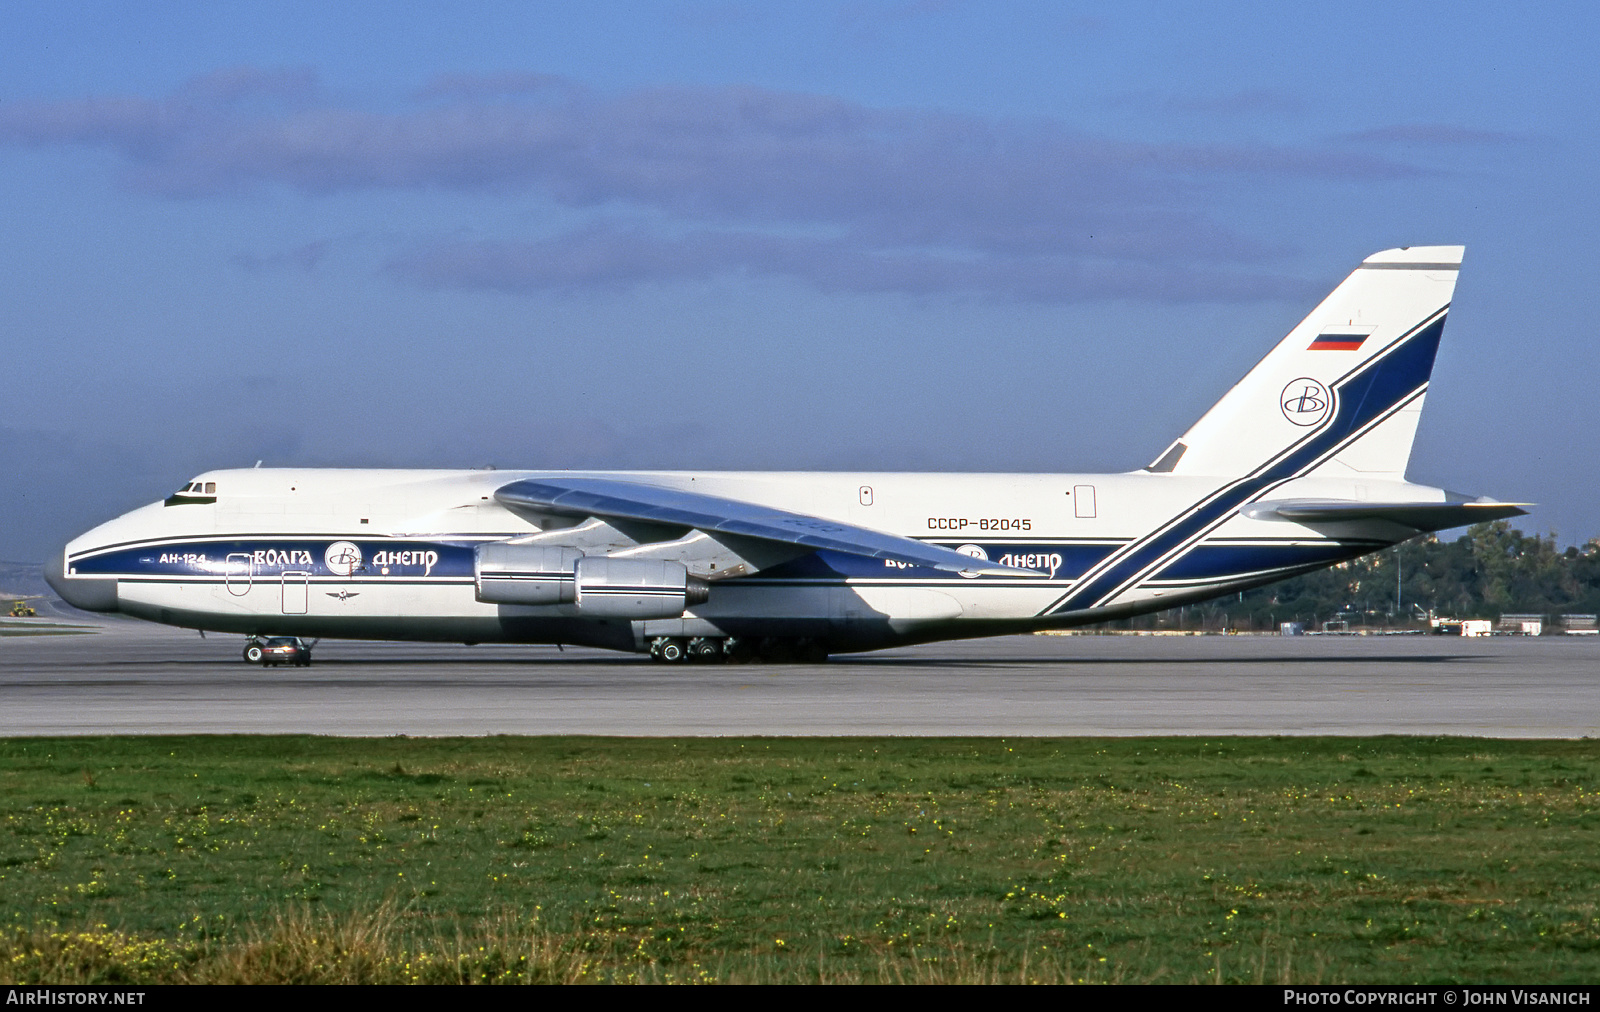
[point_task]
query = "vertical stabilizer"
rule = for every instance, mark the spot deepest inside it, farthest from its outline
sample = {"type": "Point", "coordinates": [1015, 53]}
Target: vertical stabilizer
{"type": "Point", "coordinates": [1348, 381]}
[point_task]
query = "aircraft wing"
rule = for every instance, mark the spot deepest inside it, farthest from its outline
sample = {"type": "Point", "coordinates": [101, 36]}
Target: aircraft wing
{"type": "Point", "coordinates": [610, 498]}
{"type": "Point", "coordinates": [1423, 516]}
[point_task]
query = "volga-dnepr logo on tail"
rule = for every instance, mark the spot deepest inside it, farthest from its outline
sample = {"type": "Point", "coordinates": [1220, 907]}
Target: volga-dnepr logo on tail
{"type": "Point", "coordinates": [1306, 402]}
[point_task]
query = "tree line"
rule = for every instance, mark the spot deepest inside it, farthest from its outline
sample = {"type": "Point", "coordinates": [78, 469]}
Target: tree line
{"type": "Point", "coordinates": [1491, 570]}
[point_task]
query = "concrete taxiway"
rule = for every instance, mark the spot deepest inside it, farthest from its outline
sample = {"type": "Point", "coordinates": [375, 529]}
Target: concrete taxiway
{"type": "Point", "coordinates": [132, 678]}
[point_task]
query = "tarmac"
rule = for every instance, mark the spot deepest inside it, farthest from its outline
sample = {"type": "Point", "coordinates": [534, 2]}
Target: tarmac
{"type": "Point", "coordinates": [135, 678]}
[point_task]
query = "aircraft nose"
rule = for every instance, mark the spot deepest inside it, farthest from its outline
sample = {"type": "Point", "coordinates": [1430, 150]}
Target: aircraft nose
{"type": "Point", "coordinates": [81, 592]}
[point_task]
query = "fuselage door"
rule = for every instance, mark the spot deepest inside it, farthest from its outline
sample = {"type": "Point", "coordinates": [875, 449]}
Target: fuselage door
{"type": "Point", "coordinates": [238, 572]}
{"type": "Point", "coordinates": [296, 592]}
{"type": "Point", "coordinates": [1083, 504]}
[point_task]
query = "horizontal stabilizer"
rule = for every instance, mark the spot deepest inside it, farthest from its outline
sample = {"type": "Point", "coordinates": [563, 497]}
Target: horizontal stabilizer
{"type": "Point", "coordinates": [612, 499]}
{"type": "Point", "coordinates": [1422, 516]}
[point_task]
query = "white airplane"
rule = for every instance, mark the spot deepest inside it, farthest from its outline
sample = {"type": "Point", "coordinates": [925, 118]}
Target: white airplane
{"type": "Point", "coordinates": [1300, 466]}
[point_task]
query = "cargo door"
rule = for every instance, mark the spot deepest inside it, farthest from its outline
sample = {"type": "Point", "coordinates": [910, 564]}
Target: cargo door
{"type": "Point", "coordinates": [296, 593]}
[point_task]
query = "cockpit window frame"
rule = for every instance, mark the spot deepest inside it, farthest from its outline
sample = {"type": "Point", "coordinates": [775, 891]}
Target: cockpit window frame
{"type": "Point", "coordinates": [194, 493]}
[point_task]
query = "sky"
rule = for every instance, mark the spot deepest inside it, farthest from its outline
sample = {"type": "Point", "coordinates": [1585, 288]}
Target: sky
{"type": "Point", "coordinates": [855, 235]}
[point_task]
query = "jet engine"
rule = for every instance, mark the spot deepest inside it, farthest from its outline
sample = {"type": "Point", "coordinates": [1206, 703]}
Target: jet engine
{"type": "Point", "coordinates": [600, 586]}
{"type": "Point", "coordinates": [525, 574]}
{"type": "Point", "coordinates": [636, 588]}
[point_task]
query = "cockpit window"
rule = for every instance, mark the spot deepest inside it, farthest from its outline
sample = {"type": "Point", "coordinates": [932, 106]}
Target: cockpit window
{"type": "Point", "coordinates": [192, 493]}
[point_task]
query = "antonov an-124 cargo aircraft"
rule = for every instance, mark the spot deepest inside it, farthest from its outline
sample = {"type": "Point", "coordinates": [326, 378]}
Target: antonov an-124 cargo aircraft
{"type": "Point", "coordinates": [1300, 466]}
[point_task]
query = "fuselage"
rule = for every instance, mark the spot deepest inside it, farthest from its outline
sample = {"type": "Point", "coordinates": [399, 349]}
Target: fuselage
{"type": "Point", "coordinates": [390, 554]}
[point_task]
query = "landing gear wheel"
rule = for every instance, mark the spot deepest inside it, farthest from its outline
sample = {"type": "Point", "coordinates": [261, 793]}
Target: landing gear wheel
{"type": "Point", "coordinates": [253, 654]}
{"type": "Point", "coordinates": [669, 649]}
{"type": "Point", "coordinates": [705, 650]}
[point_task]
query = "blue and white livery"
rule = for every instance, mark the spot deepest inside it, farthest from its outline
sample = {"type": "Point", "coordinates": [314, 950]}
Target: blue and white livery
{"type": "Point", "coordinates": [1300, 466]}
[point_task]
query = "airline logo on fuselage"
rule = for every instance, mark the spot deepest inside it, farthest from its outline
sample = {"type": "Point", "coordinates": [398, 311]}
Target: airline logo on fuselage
{"type": "Point", "coordinates": [394, 559]}
{"type": "Point", "coordinates": [343, 558]}
{"type": "Point", "coordinates": [1044, 562]}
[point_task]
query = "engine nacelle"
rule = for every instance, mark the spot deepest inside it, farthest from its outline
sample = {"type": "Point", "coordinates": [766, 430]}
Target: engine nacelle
{"type": "Point", "coordinates": [525, 574]}
{"type": "Point", "coordinates": [636, 588]}
{"type": "Point", "coordinates": [601, 587]}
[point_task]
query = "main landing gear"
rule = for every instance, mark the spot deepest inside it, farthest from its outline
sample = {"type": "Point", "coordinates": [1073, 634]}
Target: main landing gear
{"type": "Point", "coordinates": [738, 650]}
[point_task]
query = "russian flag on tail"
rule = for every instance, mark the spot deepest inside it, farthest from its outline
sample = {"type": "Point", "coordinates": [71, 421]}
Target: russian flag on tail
{"type": "Point", "coordinates": [1337, 342]}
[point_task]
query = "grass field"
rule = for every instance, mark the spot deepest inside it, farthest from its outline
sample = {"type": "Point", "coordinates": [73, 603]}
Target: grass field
{"type": "Point", "coordinates": [1281, 859]}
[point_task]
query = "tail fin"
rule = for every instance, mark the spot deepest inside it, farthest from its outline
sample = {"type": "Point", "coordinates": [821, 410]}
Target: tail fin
{"type": "Point", "coordinates": [1341, 394]}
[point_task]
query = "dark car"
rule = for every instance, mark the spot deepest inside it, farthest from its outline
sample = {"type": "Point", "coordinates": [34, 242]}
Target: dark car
{"type": "Point", "coordinates": [267, 650]}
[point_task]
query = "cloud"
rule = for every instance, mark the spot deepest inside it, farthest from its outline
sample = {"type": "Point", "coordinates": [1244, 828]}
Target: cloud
{"type": "Point", "coordinates": [1253, 101]}
{"type": "Point", "coordinates": [1428, 133]}
{"type": "Point", "coordinates": [234, 84]}
{"type": "Point", "coordinates": [478, 86]}
{"type": "Point", "coordinates": [304, 257]}
{"type": "Point", "coordinates": [604, 256]}
{"type": "Point", "coordinates": [1249, 102]}
{"type": "Point", "coordinates": [836, 193]}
